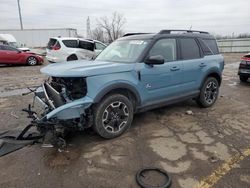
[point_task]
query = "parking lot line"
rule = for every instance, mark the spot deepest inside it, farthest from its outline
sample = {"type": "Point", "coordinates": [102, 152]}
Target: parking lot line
{"type": "Point", "coordinates": [213, 178]}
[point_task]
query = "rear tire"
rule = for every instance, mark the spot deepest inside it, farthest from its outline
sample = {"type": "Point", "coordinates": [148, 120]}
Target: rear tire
{"type": "Point", "coordinates": [243, 78]}
{"type": "Point", "coordinates": [113, 116]}
{"type": "Point", "coordinates": [72, 58]}
{"type": "Point", "coordinates": [32, 61]}
{"type": "Point", "coordinates": [209, 92]}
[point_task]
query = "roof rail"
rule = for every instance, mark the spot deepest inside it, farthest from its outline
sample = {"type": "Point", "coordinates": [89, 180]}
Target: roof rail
{"type": "Point", "coordinates": [129, 34]}
{"type": "Point", "coordinates": [187, 31]}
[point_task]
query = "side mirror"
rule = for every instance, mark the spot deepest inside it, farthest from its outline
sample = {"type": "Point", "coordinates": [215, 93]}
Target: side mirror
{"type": "Point", "coordinates": [19, 51]}
{"type": "Point", "coordinates": [155, 60]}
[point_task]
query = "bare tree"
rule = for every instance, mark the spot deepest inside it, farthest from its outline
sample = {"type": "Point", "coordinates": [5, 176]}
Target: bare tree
{"type": "Point", "coordinates": [112, 27]}
{"type": "Point", "coordinates": [98, 34]}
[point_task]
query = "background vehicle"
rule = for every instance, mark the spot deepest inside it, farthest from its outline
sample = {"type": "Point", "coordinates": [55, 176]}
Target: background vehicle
{"type": "Point", "coordinates": [244, 68]}
{"type": "Point", "coordinates": [8, 39]}
{"type": "Point", "coordinates": [133, 74]}
{"type": "Point", "coordinates": [11, 55]}
{"type": "Point", "coordinates": [69, 49]}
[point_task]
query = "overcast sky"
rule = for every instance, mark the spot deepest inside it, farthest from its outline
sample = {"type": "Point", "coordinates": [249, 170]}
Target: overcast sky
{"type": "Point", "coordinates": [216, 16]}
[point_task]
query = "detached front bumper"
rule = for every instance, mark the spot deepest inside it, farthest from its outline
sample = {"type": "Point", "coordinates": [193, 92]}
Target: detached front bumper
{"type": "Point", "coordinates": [46, 105]}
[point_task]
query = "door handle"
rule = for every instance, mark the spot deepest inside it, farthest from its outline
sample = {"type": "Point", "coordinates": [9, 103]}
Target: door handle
{"type": "Point", "coordinates": [202, 65]}
{"type": "Point", "coordinates": [175, 68]}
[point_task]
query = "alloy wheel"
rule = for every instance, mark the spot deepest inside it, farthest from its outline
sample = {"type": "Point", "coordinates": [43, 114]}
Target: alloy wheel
{"type": "Point", "coordinates": [115, 116]}
{"type": "Point", "coordinates": [211, 92]}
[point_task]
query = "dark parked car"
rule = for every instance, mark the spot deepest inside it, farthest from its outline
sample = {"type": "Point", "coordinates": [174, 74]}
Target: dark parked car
{"type": "Point", "coordinates": [11, 55]}
{"type": "Point", "coordinates": [244, 68]}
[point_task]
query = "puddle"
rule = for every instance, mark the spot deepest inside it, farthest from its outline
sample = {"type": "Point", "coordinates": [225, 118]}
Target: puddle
{"type": "Point", "coordinates": [233, 84]}
{"type": "Point", "coordinates": [13, 92]}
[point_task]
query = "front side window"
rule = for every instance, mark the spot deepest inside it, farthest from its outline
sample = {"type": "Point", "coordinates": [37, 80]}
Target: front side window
{"type": "Point", "coordinates": [166, 48]}
{"type": "Point", "coordinates": [70, 43]}
{"type": "Point", "coordinates": [127, 51]}
{"type": "Point", "coordinates": [189, 48]}
{"type": "Point", "coordinates": [99, 46]}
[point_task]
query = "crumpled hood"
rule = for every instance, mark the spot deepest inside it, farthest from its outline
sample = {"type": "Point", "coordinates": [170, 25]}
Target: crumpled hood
{"type": "Point", "coordinates": [85, 68]}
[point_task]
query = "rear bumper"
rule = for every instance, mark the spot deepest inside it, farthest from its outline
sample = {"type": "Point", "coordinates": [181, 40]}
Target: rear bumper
{"type": "Point", "coordinates": [244, 72]}
{"type": "Point", "coordinates": [54, 59]}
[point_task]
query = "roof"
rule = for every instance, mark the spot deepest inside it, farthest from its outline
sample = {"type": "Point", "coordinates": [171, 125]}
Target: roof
{"type": "Point", "coordinates": [75, 38]}
{"type": "Point", "coordinates": [167, 33]}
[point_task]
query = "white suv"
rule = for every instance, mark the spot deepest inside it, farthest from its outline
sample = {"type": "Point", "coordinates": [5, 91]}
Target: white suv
{"type": "Point", "coordinates": [69, 49]}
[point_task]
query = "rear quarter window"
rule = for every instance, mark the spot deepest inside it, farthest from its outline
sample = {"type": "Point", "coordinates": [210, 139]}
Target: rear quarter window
{"type": "Point", "coordinates": [189, 48]}
{"type": "Point", "coordinates": [51, 43]}
{"type": "Point", "coordinates": [70, 43]}
{"type": "Point", "coordinates": [212, 45]}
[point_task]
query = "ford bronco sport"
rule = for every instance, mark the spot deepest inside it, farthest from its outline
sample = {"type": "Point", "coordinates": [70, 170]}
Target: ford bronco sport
{"type": "Point", "coordinates": [133, 74]}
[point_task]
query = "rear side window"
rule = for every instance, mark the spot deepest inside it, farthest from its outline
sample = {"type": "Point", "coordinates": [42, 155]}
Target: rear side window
{"type": "Point", "coordinates": [212, 45]}
{"type": "Point", "coordinates": [166, 48]}
{"type": "Point", "coordinates": [189, 48]}
{"type": "Point", "coordinates": [86, 45]}
{"type": "Point", "coordinates": [70, 43]}
{"type": "Point", "coordinates": [51, 43]}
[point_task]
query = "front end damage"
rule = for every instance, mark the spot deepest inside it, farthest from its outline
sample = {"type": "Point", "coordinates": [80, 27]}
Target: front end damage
{"type": "Point", "coordinates": [59, 106]}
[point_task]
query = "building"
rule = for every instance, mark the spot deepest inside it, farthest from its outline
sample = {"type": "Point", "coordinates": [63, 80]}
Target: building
{"type": "Point", "coordinates": [34, 38]}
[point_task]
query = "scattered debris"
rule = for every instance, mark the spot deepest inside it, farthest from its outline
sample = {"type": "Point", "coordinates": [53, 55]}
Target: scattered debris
{"type": "Point", "coordinates": [90, 162]}
{"type": "Point", "coordinates": [189, 112]}
{"type": "Point", "coordinates": [214, 159]}
{"type": "Point", "coordinates": [14, 115]}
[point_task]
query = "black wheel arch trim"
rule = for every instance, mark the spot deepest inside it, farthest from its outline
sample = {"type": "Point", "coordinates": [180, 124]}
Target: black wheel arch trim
{"type": "Point", "coordinates": [72, 55]}
{"type": "Point", "coordinates": [115, 86]}
{"type": "Point", "coordinates": [210, 73]}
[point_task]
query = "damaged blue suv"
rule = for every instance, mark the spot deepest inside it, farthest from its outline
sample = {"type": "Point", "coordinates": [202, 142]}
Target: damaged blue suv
{"type": "Point", "coordinates": [135, 73]}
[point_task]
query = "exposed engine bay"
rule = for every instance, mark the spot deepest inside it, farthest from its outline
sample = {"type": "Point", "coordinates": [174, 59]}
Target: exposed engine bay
{"type": "Point", "coordinates": [58, 107]}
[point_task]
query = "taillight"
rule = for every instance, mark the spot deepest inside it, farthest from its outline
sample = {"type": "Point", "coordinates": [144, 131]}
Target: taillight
{"type": "Point", "coordinates": [243, 64]}
{"type": "Point", "coordinates": [56, 48]}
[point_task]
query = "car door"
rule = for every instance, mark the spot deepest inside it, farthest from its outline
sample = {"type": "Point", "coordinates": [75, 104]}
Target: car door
{"type": "Point", "coordinates": [86, 49]}
{"type": "Point", "coordinates": [193, 63]}
{"type": "Point", "coordinates": [2, 55]}
{"type": "Point", "coordinates": [163, 81]}
{"type": "Point", "coordinates": [10, 54]}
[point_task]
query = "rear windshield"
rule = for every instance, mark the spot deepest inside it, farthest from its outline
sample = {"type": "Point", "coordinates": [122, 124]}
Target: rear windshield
{"type": "Point", "coordinates": [212, 45]}
{"type": "Point", "coordinates": [51, 43]}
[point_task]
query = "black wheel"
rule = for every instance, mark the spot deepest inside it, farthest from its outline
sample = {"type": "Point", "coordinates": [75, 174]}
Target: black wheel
{"type": "Point", "coordinates": [72, 58]}
{"type": "Point", "coordinates": [209, 92]}
{"type": "Point", "coordinates": [113, 116]}
{"type": "Point", "coordinates": [32, 61]}
{"type": "Point", "coordinates": [243, 78]}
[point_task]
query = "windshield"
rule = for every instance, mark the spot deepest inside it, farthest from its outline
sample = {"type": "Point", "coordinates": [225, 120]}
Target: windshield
{"type": "Point", "coordinates": [126, 51]}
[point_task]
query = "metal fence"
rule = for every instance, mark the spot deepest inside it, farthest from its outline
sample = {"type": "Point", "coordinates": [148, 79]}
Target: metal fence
{"type": "Point", "coordinates": [234, 45]}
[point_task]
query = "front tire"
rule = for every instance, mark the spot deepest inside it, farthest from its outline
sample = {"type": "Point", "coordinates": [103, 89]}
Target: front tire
{"type": "Point", "coordinates": [209, 92]}
{"type": "Point", "coordinates": [113, 116]}
{"type": "Point", "coordinates": [32, 61]}
{"type": "Point", "coordinates": [243, 78]}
